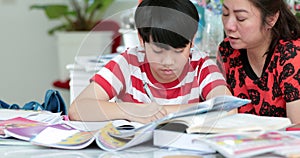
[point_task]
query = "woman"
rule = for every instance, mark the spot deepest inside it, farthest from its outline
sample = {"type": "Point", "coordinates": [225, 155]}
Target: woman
{"type": "Point", "coordinates": [260, 56]}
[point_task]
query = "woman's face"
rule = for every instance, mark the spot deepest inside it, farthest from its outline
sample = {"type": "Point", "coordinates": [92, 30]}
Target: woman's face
{"type": "Point", "coordinates": [243, 25]}
{"type": "Point", "coordinates": [166, 65]}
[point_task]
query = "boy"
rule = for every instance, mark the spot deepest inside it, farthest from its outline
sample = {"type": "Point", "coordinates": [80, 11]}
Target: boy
{"type": "Point", "coordinates": [160, 77]}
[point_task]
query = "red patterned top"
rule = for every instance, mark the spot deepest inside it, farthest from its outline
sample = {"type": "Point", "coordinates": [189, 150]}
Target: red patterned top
{"type": "Point", "coordinates": [278, 84]}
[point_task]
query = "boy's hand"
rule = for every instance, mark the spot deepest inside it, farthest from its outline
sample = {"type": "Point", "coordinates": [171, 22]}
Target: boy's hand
{"type": "Point", "coordinates": [143, 113]}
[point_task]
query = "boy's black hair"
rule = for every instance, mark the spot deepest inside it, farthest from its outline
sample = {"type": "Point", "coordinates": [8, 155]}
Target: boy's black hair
{"type": "Point", "coordinates": [167, 22]}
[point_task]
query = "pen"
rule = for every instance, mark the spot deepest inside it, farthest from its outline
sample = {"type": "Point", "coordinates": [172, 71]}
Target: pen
{"type": "Point", "coordinates": [148, 92]}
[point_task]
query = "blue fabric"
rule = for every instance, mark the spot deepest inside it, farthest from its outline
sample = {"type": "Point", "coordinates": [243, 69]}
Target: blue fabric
{"type": "Point", "coordinates": [4, 105]}
{"type": "Point", "coordinates": [52, 102]}
{"type": "Point", "coordinates": [33, 105]}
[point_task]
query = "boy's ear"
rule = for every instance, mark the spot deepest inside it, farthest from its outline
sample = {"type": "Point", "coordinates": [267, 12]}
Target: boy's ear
{"type": "Point", "coordinates": [193, 41]}
{"type": "Point", "coordinates": [141, 40]}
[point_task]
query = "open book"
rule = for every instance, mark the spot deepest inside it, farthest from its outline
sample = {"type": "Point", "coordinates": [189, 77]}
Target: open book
{"type": "Point", "coordinates": [182, 136]}
{"type": "Point", "coordinates": [77, 139]}
{"type": "Point", "coordinates": [241, 122]}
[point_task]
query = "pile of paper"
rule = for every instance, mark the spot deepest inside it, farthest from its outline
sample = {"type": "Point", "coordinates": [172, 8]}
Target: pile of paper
{"type": "Point", "coordinates": [41, 116]}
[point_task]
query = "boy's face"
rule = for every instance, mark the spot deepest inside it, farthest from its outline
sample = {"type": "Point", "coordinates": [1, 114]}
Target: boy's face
{"type": "Point", "coordinates": [166, 64]}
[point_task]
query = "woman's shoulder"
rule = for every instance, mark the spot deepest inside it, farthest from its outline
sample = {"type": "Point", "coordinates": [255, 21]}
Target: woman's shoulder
{"type": "Point", "coordinates": [289, 46]}
{"type": "Point", "coordinates": [288, 51]}
{"type": "Point", "coordinates": [289, 43]}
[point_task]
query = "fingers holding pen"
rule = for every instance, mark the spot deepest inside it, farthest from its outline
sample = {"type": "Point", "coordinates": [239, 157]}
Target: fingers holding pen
{"type": "Point", "coordinates": [143, 113]}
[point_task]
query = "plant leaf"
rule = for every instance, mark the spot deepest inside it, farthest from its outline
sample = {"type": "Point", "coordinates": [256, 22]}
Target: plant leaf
{"type": "Point", "coordinates": [57, 28]}
{"type": "Point", "coordinates": [53, 11]}
{"type": "Point", "coordinates": [102, 5]}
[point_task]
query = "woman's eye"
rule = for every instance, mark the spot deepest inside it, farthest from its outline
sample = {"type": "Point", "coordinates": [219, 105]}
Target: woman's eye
{"type": "Point", "coordinates": [240, 19]}
{"type": "Point", "coordinates": [225, 13]}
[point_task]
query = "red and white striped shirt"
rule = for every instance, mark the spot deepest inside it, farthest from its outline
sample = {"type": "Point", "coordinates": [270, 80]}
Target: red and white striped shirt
{"type": "Point", "coordinates": [125, 75]}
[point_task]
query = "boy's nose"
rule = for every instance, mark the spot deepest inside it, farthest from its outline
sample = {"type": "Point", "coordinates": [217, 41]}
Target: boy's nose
{"type": "Point", "coordinates": [167, 60]}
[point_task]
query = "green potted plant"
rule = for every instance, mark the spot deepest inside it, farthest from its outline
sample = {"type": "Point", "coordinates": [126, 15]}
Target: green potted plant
{"type": "Point", "coordinates": [75, 35]}
{"type": "Point", "coordinates": [77, 16]}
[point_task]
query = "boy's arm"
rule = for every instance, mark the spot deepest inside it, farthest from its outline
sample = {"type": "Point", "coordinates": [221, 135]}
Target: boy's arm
{"type": "Point", "coordinates": [220, 90]}
{"type": "Point", "coordinates": [93, 105]}
{"type": "Point", "coordinates": [293, 110]}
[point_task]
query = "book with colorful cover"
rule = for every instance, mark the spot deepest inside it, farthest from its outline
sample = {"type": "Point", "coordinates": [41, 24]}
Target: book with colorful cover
{"type": "Point", "coordinates": [76, 139]}
{"type": "Point", "coordinates": [28, 132]}
{"type": "Point", "coordinates": [249, 144]}
{"type": "Point", "coordinates": [19, 122]}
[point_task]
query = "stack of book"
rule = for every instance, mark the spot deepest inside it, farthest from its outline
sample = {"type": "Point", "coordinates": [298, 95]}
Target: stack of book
{"type": "Point", "coordinates": [83, 69]}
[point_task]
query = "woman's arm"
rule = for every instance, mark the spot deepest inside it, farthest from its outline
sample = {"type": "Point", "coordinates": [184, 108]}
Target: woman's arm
{"type": "Point", "coordinates": [293, 111]}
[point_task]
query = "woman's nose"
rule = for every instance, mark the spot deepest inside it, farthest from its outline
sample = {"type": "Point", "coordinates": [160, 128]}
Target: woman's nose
{"type": "Point", "coordinates": [230, 25]}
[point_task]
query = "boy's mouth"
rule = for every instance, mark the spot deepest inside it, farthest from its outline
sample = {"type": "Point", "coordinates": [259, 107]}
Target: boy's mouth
{"type": "Point", "coordinates": [168, 71]}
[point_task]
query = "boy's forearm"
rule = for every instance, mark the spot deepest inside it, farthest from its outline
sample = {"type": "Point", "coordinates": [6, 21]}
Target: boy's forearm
{"type": "Point", "coordinates": [93, 110]}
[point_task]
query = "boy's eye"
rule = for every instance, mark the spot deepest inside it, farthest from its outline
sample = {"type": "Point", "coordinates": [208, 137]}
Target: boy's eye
{"type": "Point", "coordinates": [157, 51]}
{"type": "Point", "coordinates": [178, 50]}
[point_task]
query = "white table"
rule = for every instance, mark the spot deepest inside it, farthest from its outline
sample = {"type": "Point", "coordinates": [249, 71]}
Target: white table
{"type": "Point", "coordinates": [92, 152]}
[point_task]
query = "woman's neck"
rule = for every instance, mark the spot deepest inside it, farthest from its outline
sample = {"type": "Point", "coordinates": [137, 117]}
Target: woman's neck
{"type": "Point", "coordinates": [257, 56]}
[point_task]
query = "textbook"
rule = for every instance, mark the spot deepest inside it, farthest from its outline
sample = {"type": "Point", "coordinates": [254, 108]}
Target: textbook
{"type": "Point", "coordinates": [250, 144]}
{"type": "Point", "coordinates": [77, 139]}
{"type": "Point", "coordinates": [173, 136]}
{"type": "Point", "coordinates": [182, 136]}
{"type": "Point", "coordinates": [241, 122]}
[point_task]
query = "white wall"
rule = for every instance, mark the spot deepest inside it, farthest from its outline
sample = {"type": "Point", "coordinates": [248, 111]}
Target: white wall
{"type": "Point", "coordinates": [28, 59]}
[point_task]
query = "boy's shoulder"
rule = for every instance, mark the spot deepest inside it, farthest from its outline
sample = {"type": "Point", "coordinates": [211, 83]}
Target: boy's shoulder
{"type": "Point", "coordinates": [133, 54]}
{"type": "Point", "coordinates": [197, 54]}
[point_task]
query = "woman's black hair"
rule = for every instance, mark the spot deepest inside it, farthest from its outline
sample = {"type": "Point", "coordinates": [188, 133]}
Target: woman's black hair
{"type": "Point", "coordinates": [287, 26]}
{"type": "Point", "coordinates": [168, 22]}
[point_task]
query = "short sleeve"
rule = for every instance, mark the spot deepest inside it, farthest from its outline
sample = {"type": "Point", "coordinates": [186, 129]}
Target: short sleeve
{"type": "Point", "coordinates": [289, 69]}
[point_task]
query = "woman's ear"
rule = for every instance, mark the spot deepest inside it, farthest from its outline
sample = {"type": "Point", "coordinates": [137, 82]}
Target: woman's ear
{"type": "Point", "coordinates": [273, 19]}
{"type": "Point", "coordinates": [141, 41]}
